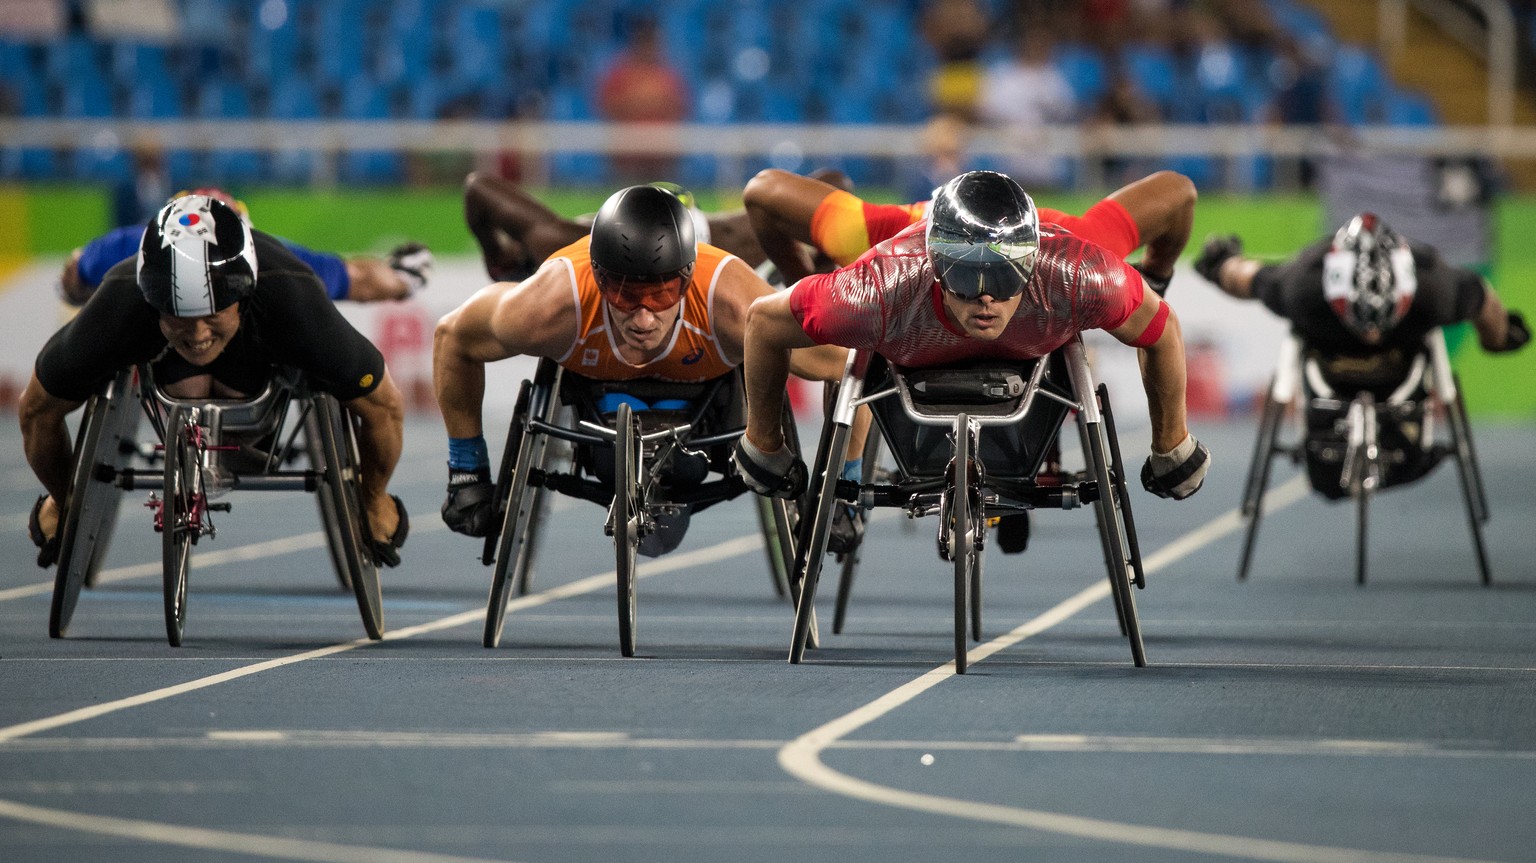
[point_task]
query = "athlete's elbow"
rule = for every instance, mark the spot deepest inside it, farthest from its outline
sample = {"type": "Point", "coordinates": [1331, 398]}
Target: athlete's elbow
{"type": "Point", "coordinates": [762, 188]}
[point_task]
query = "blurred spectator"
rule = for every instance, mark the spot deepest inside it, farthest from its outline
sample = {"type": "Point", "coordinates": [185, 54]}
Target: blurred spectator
{"type": "Point", "coordinates": [641, 86]}
{"type": "Point", "coordinates": [1122, 104]}
{"type": "Point", "coordinates": [1023, 95]}
{"type": "Point", "coordinates": [138, 197]}
{"type": "Point", "coordinates": [957, 31]}
{"type": "Point", "coordinates": [1298, 78]}
{"type": "Point", "coordinates": [945, 140]}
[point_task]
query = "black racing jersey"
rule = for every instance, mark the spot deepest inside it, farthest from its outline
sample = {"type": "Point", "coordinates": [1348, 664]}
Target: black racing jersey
{"type": "Point", "coordinates": [286, 321]}
{"type": "Point", "coordinates": [1294, 291]}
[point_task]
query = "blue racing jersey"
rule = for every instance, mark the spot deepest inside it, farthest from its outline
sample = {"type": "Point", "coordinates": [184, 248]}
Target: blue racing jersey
{"type": "Point", "coordinates": [120, 244]}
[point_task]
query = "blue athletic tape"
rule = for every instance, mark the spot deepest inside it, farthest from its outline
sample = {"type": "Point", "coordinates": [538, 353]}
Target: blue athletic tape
{"type": "Point", "coordinates": [853, 469]}
{"type": "Point", "coordinates": [468, 453]}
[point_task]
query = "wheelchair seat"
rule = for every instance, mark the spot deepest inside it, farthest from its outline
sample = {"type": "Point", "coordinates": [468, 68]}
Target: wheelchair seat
{"type": "Point", "coordinates": [1395, 386]}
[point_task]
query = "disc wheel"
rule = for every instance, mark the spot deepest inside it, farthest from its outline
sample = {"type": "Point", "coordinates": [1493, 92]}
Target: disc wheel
{"type": "Point", "coordinates": [625, 517]}
{"type": "Point", "coordinates": [183, 506]}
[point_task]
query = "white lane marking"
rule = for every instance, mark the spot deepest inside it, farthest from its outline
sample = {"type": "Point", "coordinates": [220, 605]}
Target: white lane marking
{"type": "Point", "coordinates": [709, 554]}
{"type": "Point", "coordinates": [221, 840]}
{"type": "Point", "coordinates": [801, 757]}
{"type": "Point", "coordinates": [115, 786]}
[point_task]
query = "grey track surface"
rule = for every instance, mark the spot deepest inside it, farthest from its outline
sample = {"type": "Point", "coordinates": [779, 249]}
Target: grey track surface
{"type": "Point", "coordinates": [1292, 717]}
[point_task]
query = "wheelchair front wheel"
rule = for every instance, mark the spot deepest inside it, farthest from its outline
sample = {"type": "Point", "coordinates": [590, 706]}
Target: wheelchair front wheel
{"type": "Point", "coordinates": [344, 484]}
{"type": "Point", "coordinates": [183, 507]}
{"type": "Point", "coordinates": [964, 515]}
{"type": "Point", "coordinates": [625, 518]}
{"type": "Point", "coordinates": [90, 512]}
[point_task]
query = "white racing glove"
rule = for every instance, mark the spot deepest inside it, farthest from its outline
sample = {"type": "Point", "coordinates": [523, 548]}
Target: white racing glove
{"type": "Point", "coordinates": [775, 474]}
{"type": "Point", "coordinates": [1177, 474]}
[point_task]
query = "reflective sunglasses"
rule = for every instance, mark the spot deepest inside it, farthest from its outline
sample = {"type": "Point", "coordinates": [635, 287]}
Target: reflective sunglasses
{"type": "Point", "coordinates": [629, 295]}
{"type": "Point", "coordinates": [969, 270]}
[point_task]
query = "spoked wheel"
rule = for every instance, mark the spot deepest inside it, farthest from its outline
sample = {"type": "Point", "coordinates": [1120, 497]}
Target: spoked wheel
{"type": "Point", "coordinates": [334, 535]}
{"type": "Point", "coordinates": [625, 519]}
{"type": "Point", "coordinates": [512, 540]}
{"type": "Point", "coordinates": [964, 518]}
{"type": "Point", "coordinates": [871, 465]}
{"type": "Point", "coordinates": [1258, 479]}
{"type": "Point", "coordinates": [344, 484]}
{"type": "Point", "coordinates": [815, 528]}
{"type": "Point", "coordinates": [1098, 520]}
{"type": "Point", "coordinates": [768, 523]}
{"type": "Point", "coordinates": [90, 511]}
{"type": "Point", "coordinates": [1112, 528]}
{"type": "Point", "coordinates": [183, 508]}
{"type": "Point", "coordinates": [1471, 481]}
{"type": "Point", "coordinates": [976, 595]}
{"type": "Point", "coordinates": [544, 458]}
{"type": "Point", "coordinates": [1122, 491]}
{"type": "Point", "coordinates": [1363, 470]}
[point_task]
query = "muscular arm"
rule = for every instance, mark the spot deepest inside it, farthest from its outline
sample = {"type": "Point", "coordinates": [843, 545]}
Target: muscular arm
{"type": "Point", "coordinates": [45, 438]}
{"type": "Point", "coordinates": [381, 429]}
{"type": "Point", "coordinates": [535, 317]}
{"type": "Point", "coordinates": [1492, 322]}
{"type": "Point", "coordinates": [516, 232]}
{"type": "Point", "coordinates": [71, 286]}
{"type": "Point", "coordinates": [733, 232]}
{"type": "Point", "coordinates": [772, 333]}
{"type": "Point", "coordinates": [1236, 276]}
{"type": "Point", "coordinates": [735, 294]}
{"type": "Point", "coordinates": [780, 205]}
{"type": "Point", "coordinates": [1162, 372]}
{"type": "Point", "coordinates": [1163, 207]}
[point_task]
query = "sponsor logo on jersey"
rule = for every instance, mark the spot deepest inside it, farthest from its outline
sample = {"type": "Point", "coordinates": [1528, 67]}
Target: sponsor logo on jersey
{"type": "Point", "coordinates": [693, 356]}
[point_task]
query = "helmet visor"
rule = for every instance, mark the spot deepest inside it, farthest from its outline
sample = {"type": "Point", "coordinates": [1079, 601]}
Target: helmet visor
{"type": "Point", "coordinates": [629, 294]}
{"type": "Point", "coordinates": [968, 270]}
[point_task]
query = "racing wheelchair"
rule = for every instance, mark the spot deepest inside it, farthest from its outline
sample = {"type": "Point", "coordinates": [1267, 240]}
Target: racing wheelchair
{"type": "Point", "coordinates": [209, 447]}
{"type": "Point", "coordinates": [1363, 425]}
{"type": "Point", "coordinates": [968, 443]}
{"type": "Point", "coordinates": [647, 450]}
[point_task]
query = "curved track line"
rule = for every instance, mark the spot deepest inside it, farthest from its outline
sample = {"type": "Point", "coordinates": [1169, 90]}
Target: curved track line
{"type": "Point", "coordinates": [801, 757]}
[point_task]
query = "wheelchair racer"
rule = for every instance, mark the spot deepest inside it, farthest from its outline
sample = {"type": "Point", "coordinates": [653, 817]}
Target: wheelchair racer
{"type": "Point", "coordinates": [979, 276]}
{"type": "Point", "coordinates": [638, 297]}
{"type": "Point", "coordinates": [360, 279]}
{"type": "Point", "coordinates": [212, 306]}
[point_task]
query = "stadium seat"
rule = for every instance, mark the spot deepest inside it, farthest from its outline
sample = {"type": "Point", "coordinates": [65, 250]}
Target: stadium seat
{"type": "Point", "coordinates": [1358, 84]}
{"type": "Point", "coordinates": [1407, 108]}
{"type": "Point", "coordinates": [1084, 70]}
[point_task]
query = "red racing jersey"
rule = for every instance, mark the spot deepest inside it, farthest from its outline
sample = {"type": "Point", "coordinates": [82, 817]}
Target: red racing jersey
{"type": "Point", "coordinates": [845, 226]}
{"type": "Point", "coordinates": [889, 301]}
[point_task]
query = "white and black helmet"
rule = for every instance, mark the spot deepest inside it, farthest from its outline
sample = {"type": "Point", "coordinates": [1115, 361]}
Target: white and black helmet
{"type": "Point", "coordinates": [196, 258]}
{"type": "Point", "coordinates": [1369, 279]}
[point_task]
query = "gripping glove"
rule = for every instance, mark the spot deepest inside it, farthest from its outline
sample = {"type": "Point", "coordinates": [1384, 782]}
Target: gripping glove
{"type": "Point", "coordinates": [1177, 474]}
{"type": "Point", "coordinates": [413, 262]}
{"type": "Point", "coordinates": [47, 547]}
{"type": "Point", "coordinates": [1158, 284]}
{"type": "Point", "coordinates": [471, 502]}
{"type": "Point", "coordinates": [1518, 333]}
{"type": "Point", "coordinates": [775, 474]}
{"type": "Point", "coordinates": [387, 552]}
{"type": "Point", "coordinates": [1214, 253]}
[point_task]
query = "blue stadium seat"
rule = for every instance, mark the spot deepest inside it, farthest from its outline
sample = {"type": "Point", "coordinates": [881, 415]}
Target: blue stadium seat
{"type": "Point", "coordinates": [341, 42]}
{"type": "Point", "coordinates": [1358, 84]}
{"type": "Point", "coordinates": [155, 98]}
{"type": "Point", "coordinates": [293, 98]}
{"type": "Point", "coordinates": [222, 100]}
{"type": "Point", "coordinates": [1152, 68]}
{"type": "Point", "coordinates": [1084, 70]}
{"type": "Point", "coordinates": [1407, 108]}
{"type": "Point", "coordinates": [477, 46]}
{"type": "Point", "coordinates": [272, 52]}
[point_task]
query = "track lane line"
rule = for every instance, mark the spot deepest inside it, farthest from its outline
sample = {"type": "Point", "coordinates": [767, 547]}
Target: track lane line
{"type": "Point", "coordinates": [801, 757]}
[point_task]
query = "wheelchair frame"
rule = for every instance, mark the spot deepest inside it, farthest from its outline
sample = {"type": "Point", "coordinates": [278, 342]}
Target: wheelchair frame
{"type": "Point", "coordinates": [191, 433]}
{"type": "Point", "coordinates": [1363, 461]}
{"type": "Point", "coordinates": [964, 495]}
{"type": "Point", "coordinates": [642, 451]}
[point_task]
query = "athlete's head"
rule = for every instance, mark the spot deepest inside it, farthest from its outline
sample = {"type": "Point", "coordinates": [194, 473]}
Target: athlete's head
{"type": "Point", "coordinates": [643, 253]}
{"type": "Point", "coordinates": [1368, 277]}
{"type": "Point", "coordinates": [219, 195]}
{"type": "Point", "coordinates": [196, 263]}
{"type": "Point", "coordinates": [983, 235]}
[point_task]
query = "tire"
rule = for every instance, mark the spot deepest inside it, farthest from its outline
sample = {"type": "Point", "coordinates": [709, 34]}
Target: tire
{"type": "Point", "coordinates": [871, 462]}
{"type": "Point", "coordinates": [1472, 490]}
{"type": "Point", "coordinates": [90, 512]}
{"type": "Point", "coordinates": [778, 519]}
{"type": "Point", "coordinates": [325, 502]}
{"type": "Point", "coordinates": [339, 443]}
{"type": "Point", "coordinates": [962, 535]}
{"type": "Point", "coordinates": [1258, 479]}
{"type": "Point", "coordinates": [811, 547]}
{"type": "Point", "coordinates": [1112, 528]}
{"type": "Point", "coordinates": [624, 515]}
{"type": "Point", "coordinates": [518, 509]}
{"type": "Point", "coordinates": [183, 506]}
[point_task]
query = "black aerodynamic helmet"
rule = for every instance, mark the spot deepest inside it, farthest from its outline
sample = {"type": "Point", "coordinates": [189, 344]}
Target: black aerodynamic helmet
{"type": "Point", "coordinates": [643, 233]}
{"type": "Point", "coordinates": [983, 235]}
{"type": "Point", "coordinates": [1369, 277]}
{"type": "Point", "coordinates": [196, 258]}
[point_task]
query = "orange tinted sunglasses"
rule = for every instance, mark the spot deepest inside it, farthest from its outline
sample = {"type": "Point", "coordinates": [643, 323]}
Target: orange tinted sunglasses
{"type": "Point", "coordinates": [631, 295]}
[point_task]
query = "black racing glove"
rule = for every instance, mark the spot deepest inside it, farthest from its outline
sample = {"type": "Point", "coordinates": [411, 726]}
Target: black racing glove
{"type": "Point", "coordinates": [776, 474]}
{"type": "Point", "coordinates": [1214, 253]}
{"type": "Point", "coordinates": [413, 262]}
{"type": "Point", "coordinates": [471, 502]}
{"type": "Point", "coordinates": [47, 547]}
{"type": "Point", "coordinates": [387, 553]}
{"type": "Point", "coordinates": [1158, 284]}
{"type": "Point", "coordinates": [1177, 474]}
{"type": "Point", "coordinates": [1518, 333]}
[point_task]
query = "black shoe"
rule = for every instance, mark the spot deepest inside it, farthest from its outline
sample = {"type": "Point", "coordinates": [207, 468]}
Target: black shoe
{"type": "Point", "coordinates": [388, 553]}
{"type": "Point", "coordinates": [1013, 533]}
{"type": "Point", "coordinates": [847, 530]}
{"type": "Point", "coordinates": [47, 546]}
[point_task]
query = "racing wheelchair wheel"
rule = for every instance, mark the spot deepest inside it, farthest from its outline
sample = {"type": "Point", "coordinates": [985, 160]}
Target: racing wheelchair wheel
{"type": "Point", "coordinates": [624, 518]}
{"type": "Point", "coordinates": [1264, 450]}
{"type": "Point", "coordinates": [334, 541]}
{"type": "Point", "coordinates": [868, 473]}
{"type": "Point", "coordinates": [338, 440]}
{"type": "Point", "coordinates": [184, 505]}
{"type": "Point", "coordinates": [779, 518]}
{"type": "Point", "coordinates": [814, 530]}
{"type": "Point", "coordinates": [1472, 490]}
{"type": "Point", "coordinates": [1112, 529]}
{"type": "Point", "coordinates": [90, 512]}
{"type": "Point", "coordinates": [518, 504]}
{"type": "Point", "coordinates": [964, 526]}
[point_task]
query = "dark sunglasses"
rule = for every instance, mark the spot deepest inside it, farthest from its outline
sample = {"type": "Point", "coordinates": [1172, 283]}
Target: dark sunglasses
{"type": "Point", "coordinates": [630, 295]}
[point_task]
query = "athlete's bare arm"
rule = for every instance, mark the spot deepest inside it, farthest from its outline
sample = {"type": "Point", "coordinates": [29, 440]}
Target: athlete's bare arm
{"type": "Point", "coordinates": [1492, 322]}
{"type": "Point", "coordinates": [373, 280]}
{"type": "Point", "coordinates": [1163, 207]}
{"type": "Point", "coordinates": [535, 317]}
{"type": "Point", "coordinates": [780, 205]}
{"type": "Point", "coordinates": [381, 416]}
{"type": "Point", "coordinates": [46, 441]}
{"type": "Point", "coordinates": [735, 293]}
{"type": "Point", "coordinates": [772, 333]}
{"type": "Point", "coordinates": [1162, 371]}
{"type": "Point", "coordinates": [516, 232]}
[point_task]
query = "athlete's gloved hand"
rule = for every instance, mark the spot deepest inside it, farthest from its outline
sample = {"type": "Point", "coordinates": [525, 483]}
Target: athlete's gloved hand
{"type": "Point", "coordinates": [387, 552]}
{"type": "Point", "coordinates": [1518, 333]}
{"type": "Point", "coordinates": [1158, 284]}
{"type": "Point", "coordinates": [775, 474]}
{"type": "Point", "coordinates": [47, 546]}
{"type": "Point", "coordinates": [1214, 253]}
{"type": "Point", "coordinates": [471, 502]}
{"type": "Point", "coordinates": [413, 262]}
{"type": "Point", "coordinates": [1177, 474]}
